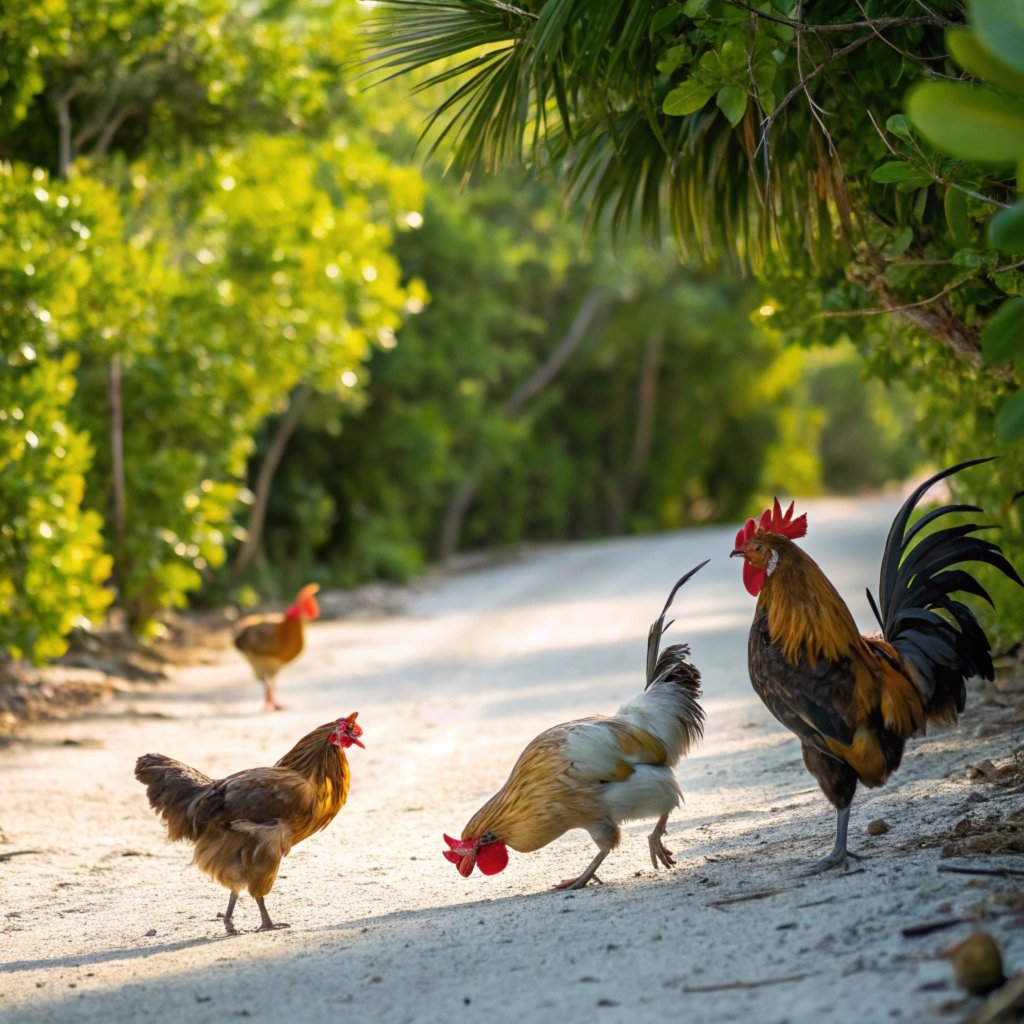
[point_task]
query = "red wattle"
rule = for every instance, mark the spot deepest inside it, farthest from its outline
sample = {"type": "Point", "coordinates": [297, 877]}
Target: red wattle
{"type": "Point", "coordinates": [753, 579]}
{"type": "Point", "coordinates": [492, 858]}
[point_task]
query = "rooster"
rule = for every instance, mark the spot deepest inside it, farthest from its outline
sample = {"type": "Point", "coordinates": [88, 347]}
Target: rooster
{"type": "Point", "coordinates": [852, 700]}
{"type": "Point", "coordinates": [269, 642]}
{"type": "Point", "coordinates": [243, 825]}
{"type": "Point", "coordinates": [595, 773]}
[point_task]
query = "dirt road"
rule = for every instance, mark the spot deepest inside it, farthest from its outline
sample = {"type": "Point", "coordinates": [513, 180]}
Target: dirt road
{"type": "Point", "coordinates": [103, 920]}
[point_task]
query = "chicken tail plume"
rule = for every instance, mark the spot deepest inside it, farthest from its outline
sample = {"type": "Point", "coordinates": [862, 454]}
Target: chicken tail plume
{"type": "Point", "coordinates": [173, 788]}
{"type": "Point", "coordinates": [917, 583]}
{"type": "Point", "coordinates": [671, 674]}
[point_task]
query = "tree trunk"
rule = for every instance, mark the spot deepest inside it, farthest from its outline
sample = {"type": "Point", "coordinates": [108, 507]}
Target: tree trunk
{"type": "Point", "coordinates": [643, 431]}
{"type": "Point", "coordinates": [455, 515]}
{"type": "Point", "coordinates": [265, 480]}
{"type": "Point", "coordinates": [119, 502]}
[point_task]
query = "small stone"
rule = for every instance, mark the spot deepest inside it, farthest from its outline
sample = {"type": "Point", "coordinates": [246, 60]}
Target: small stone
{"type": "Point", "coordinates": [878, 827]}
{"type": "Point", "coordinates": [150, 933]}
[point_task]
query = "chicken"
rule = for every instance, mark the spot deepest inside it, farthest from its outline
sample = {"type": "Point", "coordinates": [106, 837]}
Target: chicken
{"type": "Point", "coordinates": [269, 642]}
{"type": "Point", "coordinates": [852, 700]}
{"type": "Point", "coordinates": [243, 825]}
{"type": "Point", "coordinates": [595, 773]}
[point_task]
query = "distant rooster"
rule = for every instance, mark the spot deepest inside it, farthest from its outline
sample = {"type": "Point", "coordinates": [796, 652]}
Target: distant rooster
{"type": "Point", "coordinates": [243, 825]}
{"type": "Point", "coordinates": [595, 773]}
{"type": "Point", "coordinates": [852, 700]}
{"type": "Point", "coordinates": [269, 642]}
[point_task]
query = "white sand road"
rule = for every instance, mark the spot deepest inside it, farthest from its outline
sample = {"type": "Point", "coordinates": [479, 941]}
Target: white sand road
{"type": "Point", "coordinates": [104, 920]}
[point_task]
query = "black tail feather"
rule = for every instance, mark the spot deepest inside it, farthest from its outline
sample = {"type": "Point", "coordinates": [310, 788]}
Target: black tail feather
{"type": "Point", "coordinates": [655, 669]}
{"type": "Point", "coordinates": [915, 585]}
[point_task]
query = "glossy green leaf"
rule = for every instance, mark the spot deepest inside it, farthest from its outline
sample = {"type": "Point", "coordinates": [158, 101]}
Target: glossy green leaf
{"type": "Point", "coordinates": [1010, 419]}
{"type": "Point", "coordinates": [954, 204]}
{"type": "Point", "coordinates": [973, 56]}
{"type": "Point", "coordinates": [732, 101]}
{"type": "Point", "coordinates": [968, 121]}
{"type": "Point", "coordinates": [899, 170]}
{"type": "Point", "coordinates": [1006, 229]}
{"type": "Point", "coordinates": [687, 98]}
{"type": "Point", "coordinates": [1000, 26]}
{"type": "Point", "coordinates": [1003, 339]}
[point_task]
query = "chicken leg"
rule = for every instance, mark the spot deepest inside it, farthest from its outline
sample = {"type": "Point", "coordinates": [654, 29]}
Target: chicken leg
{"type": "Point", "coordinates": [588, 874]}
{"type": "Point", "coordinates": [229, 925]}
{"type": "Point", "coordinates": [839, 852]}
{"type": "Point", "coordinates": [267, 925]}
{"type": "Point", "coordinates": [659, 852]}
{"type": "Point", "coordinates": [269, 699]}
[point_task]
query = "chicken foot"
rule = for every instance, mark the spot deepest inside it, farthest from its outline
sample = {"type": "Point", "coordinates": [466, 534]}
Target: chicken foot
{"type": "Point", "coordinates": [588, 874]}
{"type": "Point", "coordinates": [269, 699]}
{"type": "Point", "coordinates": [839, 852]}
{"type": "Point", "coordinates": [659, 852]}
{"type": "Point", "coordinates": [229, 925]}
{"type": "Point", "coordinates": [267, 925]}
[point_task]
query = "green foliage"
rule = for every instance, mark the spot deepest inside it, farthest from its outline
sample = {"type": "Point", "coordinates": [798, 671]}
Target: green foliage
{"type": "Point", "coordinates": [52, 567]}
{"type": "Point", "coordinates": [232, 241]}
{"type": "Point", "coordinates": [985, 123]}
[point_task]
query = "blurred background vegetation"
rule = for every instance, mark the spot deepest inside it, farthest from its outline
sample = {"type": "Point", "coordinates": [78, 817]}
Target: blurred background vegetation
{"type": "Point", "coordinates": [247, 338]}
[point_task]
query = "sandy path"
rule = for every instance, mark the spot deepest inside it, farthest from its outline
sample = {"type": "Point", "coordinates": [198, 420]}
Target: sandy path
{"type": "Point", "coordinates": [106, 921]}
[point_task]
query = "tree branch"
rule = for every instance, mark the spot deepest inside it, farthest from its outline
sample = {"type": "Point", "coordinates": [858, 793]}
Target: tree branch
{"type": "Point", "coordinates": [846, 26]}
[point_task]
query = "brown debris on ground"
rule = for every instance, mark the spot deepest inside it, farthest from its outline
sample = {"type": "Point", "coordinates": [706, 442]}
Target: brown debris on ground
{"type": "Point", "coordinates": [995, 833]}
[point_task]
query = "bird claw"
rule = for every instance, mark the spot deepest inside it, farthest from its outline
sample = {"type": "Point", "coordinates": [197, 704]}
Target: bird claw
{"type": "Point", "coordinates": [229, 925]}
{"type": "Point", "coordinates": [272, 927]}
{"type": "Point", "coordinates": [661, 856]}
{"type": "Point", "coordinates": [577, 883]}
{"type": "Point", "coordinates": [836, 859]}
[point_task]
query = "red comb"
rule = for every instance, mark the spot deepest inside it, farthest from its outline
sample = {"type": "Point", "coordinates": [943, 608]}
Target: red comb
{"type": "Point", "coordinates": [773, 520]}
{"type": "Point", "coordinates": [457, 849]}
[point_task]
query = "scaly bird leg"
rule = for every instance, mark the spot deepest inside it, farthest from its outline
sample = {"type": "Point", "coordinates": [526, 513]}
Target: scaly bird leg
{"type": "Point", "coordinates": [229, 925]}
{"type": "Point", "coordinates": [269, 700]}
{"type": "Point", "coordinates": [659, 852]}
{"type": "Point", "coordinates": [590, 873]}
{"type": "Point", "coordinates": [839, 852]}
{"type": "Point", "coordinates": [267, 925]}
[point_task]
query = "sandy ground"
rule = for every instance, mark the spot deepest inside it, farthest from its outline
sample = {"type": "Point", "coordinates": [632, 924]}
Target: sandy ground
{"type": "Point", "coordinates": [104, 920]}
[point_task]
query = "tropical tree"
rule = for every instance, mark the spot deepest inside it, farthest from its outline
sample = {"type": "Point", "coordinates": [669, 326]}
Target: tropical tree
{"type": "Point", "coordinates": [770, 136]}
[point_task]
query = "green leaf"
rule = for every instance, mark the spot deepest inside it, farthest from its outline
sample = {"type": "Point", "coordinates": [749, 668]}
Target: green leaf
{"type": "Point", "coordinates": [661, 21]}
{"type": "Point", "coordinates": [972, 55]}
{"type": "Point", "coordinates": [732, 101]}
{"type": "Point", "coordinates": [687, 98]}
{"type": "Point", "coordinates": [968, 121]}
{"type": "Point", "coordinates": [954, 203]}
{"type": "Point", "coordinates": [1003, 338]}
{"type": "Point", "coordinates": [899, 170]}
{"type": "Point", "coordinates": [1006, 229]}
{"type": "Point", "coordinates": [900, 240]}
{"type": "Point", "coordinates": [1010, 419]}
{"type": "Point", "coordinates": [898, 126]}
{"type": "Point", "coordinates": [1000, 26]}
{"type": "Point", "coordinates": [672, 58]}
{"type": "Point", "coordinates": [969, 258]}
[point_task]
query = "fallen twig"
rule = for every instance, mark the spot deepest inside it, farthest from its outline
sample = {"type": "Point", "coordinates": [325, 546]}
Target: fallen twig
{"type": "Point", "coordinates": [690, 989]}
{"type": "Point", "coordinates": [1000, 872]}
{"type": "Point", "coordinates": [916, 931]}
{"type": "Point", "coordinates": [17, 853]}
{"type": "Point", "coordinates": [761, 895]}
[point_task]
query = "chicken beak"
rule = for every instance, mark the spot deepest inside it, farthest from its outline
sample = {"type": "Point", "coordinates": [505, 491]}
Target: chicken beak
{"type": "Point", "coordinates": [736, 552]}
{"type": "Point", "coordinates": [467, 863]}
{"type": "Point", "coordinates": [358, 743]}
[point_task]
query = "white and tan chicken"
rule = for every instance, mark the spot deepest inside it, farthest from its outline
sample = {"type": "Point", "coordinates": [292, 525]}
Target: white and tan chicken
{"type": "Point", "coordinates": [595, 773]}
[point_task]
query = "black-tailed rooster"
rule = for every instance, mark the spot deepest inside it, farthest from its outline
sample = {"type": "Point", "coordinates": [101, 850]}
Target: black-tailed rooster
{"type": "Point", "coordinates": [852, 700]}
